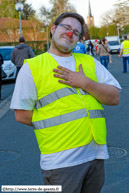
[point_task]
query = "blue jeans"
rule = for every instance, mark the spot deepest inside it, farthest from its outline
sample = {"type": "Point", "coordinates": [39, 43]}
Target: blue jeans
{"type": "Point", "coordinates": [125, 59]}
{"type": "Point", "coordinates": [104, 61]}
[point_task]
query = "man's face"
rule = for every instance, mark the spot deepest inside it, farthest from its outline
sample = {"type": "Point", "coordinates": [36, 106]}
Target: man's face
{"type": "Point", "coordinates": [62, 40]}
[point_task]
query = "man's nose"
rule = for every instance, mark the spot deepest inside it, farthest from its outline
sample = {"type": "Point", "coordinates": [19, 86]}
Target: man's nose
{"type": "Point", "coordinates": [70, 34]}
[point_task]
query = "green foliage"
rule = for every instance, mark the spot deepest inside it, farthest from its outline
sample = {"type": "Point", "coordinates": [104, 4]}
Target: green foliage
{"type": "Point", "coordinates": [126, 29]}
{"type": "Point", "coordinates": [38, 46]}
{"type": "Point", "coordinates": [7, 9]}
{"type": "Point", "coordinates": [28, 12]}
{"type": "Point", "coordinates": [94, 32]}
{"type": "Point", "coordinates": [112, 31]}
{"type": "Point", "coordinates": [103, 32]}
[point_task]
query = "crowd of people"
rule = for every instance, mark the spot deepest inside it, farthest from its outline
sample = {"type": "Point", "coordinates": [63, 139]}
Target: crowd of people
{"type": "Point", "coordinates": [101, 48]}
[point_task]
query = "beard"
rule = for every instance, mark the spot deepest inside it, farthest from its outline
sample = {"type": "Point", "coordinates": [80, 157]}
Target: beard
{"type": "Point", "coordinates": [61, 44]}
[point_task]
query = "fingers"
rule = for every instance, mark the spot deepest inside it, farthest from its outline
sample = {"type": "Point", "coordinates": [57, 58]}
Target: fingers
{"type": "Point", "coordinates": [64, 82]}
{"type": "Point", "coordinates": [58, 71]}
{"type": "Point", "coordinates": [80, 68]}
{"type": "Point", "coordinates": [60, 76]}
{"type": "Point", "coordinates": [64, 69]}
{"type": "Point", "coordinates": [63, 73]}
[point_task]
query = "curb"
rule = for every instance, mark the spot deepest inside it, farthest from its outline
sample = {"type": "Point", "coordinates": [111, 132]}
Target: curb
{"type": "Point", "coordinates": [4, 106]}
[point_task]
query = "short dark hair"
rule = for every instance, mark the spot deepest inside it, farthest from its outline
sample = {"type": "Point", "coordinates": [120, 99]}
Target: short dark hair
{"type": "Point", "coordinates": [125, 36]}
{"type": "Point", "coordinates": [103, 40]}
{"type": "Point", "coordinates": [74, 15]}
{"type": "Point", "coordinates": [21, 40]}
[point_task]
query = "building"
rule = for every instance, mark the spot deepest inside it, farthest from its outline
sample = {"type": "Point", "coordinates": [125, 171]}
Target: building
{"type": "Point", "coordinates": [32, 30]}
{"type": "Point", "coordinates": [90, 18]}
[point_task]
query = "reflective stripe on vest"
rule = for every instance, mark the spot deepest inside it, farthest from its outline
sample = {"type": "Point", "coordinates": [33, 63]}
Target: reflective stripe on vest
{"type": "Point", "coordinates": [83, 92]}
{"type": "Point", "coordinates": [55, 96]}
{"type": "Point", "coordinates": [96, 114]}
{"type": "Point", "coordinates": [126, 51]}
{"type": "Point", "coordinates": [68, 117]}
{"type": "Point", "coordinates": [60, 119]}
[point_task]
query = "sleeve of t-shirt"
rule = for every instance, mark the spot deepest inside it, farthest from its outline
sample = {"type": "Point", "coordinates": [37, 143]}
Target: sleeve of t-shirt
{"type": "Point", "coordinates": [121, 47]}
{"type": "Point", "coordinates": [25, 92]}
{"type": "Point", "coordinates": [104, 76]}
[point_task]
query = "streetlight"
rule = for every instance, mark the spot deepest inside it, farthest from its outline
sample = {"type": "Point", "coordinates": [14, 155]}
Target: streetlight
{"type": "Point", "coordinates": [46, 24]}
{"type": "Point", "coordinates": [118, 28]}
{"type": "Point", "coordinates": [19, 7]}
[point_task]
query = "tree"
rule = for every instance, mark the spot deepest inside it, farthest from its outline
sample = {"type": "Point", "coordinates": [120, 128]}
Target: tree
{"type": "Point", "coordinates": [126, 29]}
{"type": "Point", "coordinates": [7, 9]}
{"type": "Point", "coordinates": [120, 14]}
{"type": "Point", "coordinates": [94, 32]}
{"type": "Point", "coordinates": [107, 18]}
{"type": "Point", "coordinates": [27, 12]}
{"type": "Point", "coordinates": [103, 32]}
{"type": "Point", "coordinates": [58, 7]}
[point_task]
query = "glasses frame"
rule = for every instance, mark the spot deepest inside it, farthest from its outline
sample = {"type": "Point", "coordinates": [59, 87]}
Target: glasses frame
{"type": "Point", "coordinates": [69, 28]}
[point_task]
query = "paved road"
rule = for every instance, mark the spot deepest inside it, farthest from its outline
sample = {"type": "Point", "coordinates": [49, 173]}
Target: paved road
{"type": "Point", "coordinates": [19, 154]}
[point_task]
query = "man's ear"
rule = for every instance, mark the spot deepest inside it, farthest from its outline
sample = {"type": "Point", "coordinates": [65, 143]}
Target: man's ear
{"type": "Point", "coordinates": [53, 29]}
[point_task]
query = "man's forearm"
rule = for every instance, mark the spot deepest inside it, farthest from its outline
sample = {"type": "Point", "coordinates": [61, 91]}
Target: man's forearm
{"type": "Point", "coordinates": [105, 94]}
{"type": "Point", "coordinates": [24, 116]}
{"type": "Point", "coordinates": [121, 53]}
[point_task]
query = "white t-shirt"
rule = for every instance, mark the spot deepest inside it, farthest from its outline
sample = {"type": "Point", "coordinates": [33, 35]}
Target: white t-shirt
{"type": "Point", "coordinates": [25, 96]}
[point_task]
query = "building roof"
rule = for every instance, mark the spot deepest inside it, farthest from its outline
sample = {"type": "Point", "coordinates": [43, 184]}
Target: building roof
{"type": "Point", "coordinates": [89, 11]}
{"type": "Point", "coordinates": [6, 22]}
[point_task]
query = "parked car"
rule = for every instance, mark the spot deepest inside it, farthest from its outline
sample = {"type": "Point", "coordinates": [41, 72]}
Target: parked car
{"type": "Point", "coordinates": [114, 44]}
{"type": "Point", "coordinates": [8, 67]}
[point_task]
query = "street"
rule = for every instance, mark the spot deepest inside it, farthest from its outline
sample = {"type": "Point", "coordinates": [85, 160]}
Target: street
{"type": "Point", "coordinates": [19, 153]}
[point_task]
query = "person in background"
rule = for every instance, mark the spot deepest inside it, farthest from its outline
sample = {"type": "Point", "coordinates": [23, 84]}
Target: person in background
{"type": "Point", "coordinates": [103, 50]}
{"type": "Point", "coordinates": [96, 45]}
{"type": "Point", "coordinates": [21, 52]}
{"type": "Point", "coordinates": [91, 48]}
{"type": "Point", "coordinates": [80, 47]}
{"type": "Point", "coordinates": [62, 100]}
{"type": "Point", "coordinates": [124, 53]}
{"type": "Point", "coordinates": [1, 62]}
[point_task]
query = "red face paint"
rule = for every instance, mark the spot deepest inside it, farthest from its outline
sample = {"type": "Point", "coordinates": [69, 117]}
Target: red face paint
{"type": "Point", "coordinates": [70, 34]}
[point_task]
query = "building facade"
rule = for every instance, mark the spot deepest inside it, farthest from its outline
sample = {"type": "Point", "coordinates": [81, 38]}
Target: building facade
{"type": "Point", "coordinates": [32, 30]}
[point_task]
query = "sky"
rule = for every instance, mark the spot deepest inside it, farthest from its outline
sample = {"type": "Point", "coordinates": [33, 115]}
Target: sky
{"type": "Point", "coordinates": [98, 7]}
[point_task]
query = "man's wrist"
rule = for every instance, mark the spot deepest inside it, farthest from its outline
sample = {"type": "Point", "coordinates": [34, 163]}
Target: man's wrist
{"type": "Point", "coordinates": [86, 84]}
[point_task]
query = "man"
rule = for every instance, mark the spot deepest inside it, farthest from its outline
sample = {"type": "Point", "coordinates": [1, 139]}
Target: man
{"type": "Point", "coordinates": [80, 48]}
{"type": "Point", "coordinates": [124, 53]}
{"type": "Point", "coordinates": [62, 99]}
{"type": "Point", "coordinates": [21, 52]}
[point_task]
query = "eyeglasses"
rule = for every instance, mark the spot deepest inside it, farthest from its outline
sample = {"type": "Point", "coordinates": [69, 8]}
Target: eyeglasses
{"type": "Point", "coordinates": [69, 28]}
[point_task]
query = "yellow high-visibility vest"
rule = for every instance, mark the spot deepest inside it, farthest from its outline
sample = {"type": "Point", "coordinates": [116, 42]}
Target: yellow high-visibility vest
{"type": "Point", "coordinates": [65, 117]}
{"type": "Point", "coordinates": [125, 47]}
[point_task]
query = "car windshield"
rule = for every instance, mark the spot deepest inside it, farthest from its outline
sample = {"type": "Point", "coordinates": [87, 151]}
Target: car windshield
{"type": "Point", "coordinates": [114, 43]}
{"type": "Point", "coordinates": [6, 53]}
